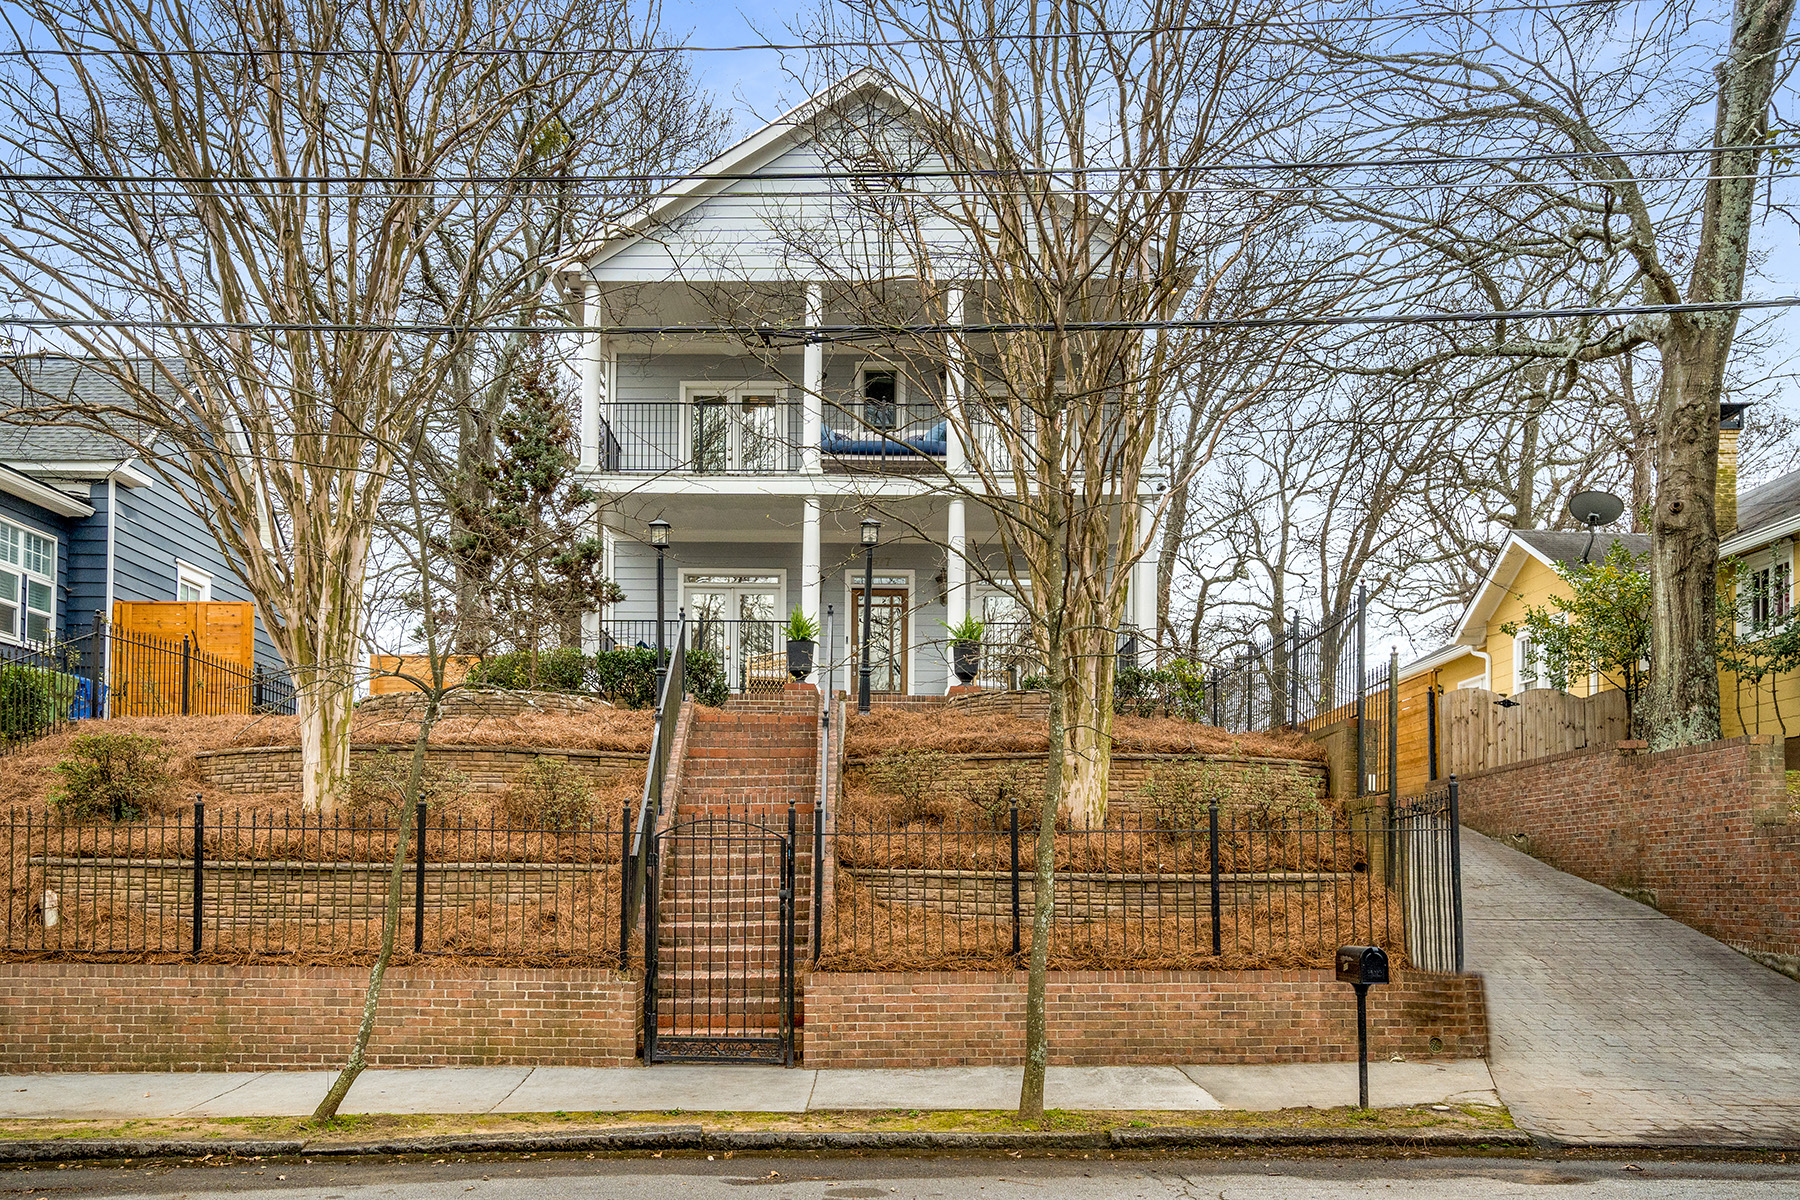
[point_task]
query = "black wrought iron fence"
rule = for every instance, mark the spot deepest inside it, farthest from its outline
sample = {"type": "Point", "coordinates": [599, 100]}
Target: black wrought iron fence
{"type": "Point", "coordinates": [279, 885]}
{"type": "Point", "coordinates": [1217, 887]}
{"type": "Point", "coordinates": [104, 671]}
{"type": "Point", "coordinates": [641, 832]}
{"type": "Point", "coordinates": [1427, 848]}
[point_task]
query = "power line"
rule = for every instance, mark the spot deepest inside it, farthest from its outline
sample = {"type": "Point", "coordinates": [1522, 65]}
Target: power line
{"type": "Point", "coordinates": [866, 175]}
{"type": "Point", "coordinates": [984, 39]}
{"type": "Point", "coordinates": [800, 335]}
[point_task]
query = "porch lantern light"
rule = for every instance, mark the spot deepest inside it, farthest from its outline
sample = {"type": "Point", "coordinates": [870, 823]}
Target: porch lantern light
{"type": "Point", "coordinates": [871, 533]}
{"type": "Point", "coordinates": [659, 537]}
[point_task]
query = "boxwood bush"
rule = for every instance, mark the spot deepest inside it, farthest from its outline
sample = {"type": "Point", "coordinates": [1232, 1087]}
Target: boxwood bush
{"type": "Point", "coordinates": [626, 676]}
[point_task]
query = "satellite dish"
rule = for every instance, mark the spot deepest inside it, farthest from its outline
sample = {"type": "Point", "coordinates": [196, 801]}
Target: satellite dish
{"type": "Point", "coordinates": [1595, 508]}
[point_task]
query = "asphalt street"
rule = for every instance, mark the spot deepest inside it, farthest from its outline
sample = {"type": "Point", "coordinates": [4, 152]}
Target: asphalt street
{"type": "Point", "coordinates": [920, 1178]}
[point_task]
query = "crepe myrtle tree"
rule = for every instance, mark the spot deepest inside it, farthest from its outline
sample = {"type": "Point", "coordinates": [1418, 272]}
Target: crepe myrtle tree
{"type": "Point", "coordinates": [246, 259]}
{"type": "Point", "coordinates": [1059, 223]}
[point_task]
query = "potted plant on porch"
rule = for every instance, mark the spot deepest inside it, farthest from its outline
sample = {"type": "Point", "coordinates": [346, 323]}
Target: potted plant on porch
{"type": "Point", "coordinates": [965, 649]}
{"type": "Point", "coordinates": [802, 633]}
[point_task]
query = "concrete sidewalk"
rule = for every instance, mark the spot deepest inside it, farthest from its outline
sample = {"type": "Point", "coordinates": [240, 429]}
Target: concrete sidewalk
{"type": "Point", "coordinates": [697, 1089]}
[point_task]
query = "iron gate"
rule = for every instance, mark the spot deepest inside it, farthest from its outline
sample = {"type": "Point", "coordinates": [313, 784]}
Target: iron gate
{"type": "Point", "coordinates": [719, 943]}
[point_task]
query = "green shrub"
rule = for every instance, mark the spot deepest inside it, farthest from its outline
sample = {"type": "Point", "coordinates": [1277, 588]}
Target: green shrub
{"type": "Point", "coordinates": [31, 699]}
{"type": "Point", "coordinates": [376, 789]}
{"type": "Point", "coordinates": [550, 793]}
{"type": "Point", "coordinates": [117, 775]}
{"type": "Point", "coordinates": [1178, 689]}
{"type": "Point", "coordinates": [627, 677]}
{"type": "Point", "coordinates": [561, 670]}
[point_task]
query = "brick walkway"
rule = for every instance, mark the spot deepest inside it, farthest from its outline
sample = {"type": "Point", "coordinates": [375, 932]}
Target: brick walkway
{"type": "Point", "coordinates": [1613, 1024]}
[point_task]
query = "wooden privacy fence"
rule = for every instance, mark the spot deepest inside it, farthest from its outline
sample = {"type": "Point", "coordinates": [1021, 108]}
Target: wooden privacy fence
{"type": "Point", "coordinates": [1479, 733]}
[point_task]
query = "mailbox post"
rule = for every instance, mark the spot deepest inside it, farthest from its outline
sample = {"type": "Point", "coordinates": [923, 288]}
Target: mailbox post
{"type": "Point", "coordinates": [1361, 966]}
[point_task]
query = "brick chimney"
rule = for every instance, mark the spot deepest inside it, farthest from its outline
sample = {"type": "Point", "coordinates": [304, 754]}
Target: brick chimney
{"type": "Point", "coordinates": [1731, 424]}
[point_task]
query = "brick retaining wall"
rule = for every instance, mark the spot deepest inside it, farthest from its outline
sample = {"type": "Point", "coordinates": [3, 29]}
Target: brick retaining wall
{"type": "Point", "coordinates": [74, 1016]}
{"type": "Point", "coordinates": [1703, 833]}
{"type": "Point", "coordinates": [1100, 1018]}
{"type": "Point", "coordinates": [260, 770]}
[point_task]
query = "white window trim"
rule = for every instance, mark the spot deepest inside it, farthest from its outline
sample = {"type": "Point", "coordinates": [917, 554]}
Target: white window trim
{"type": "Point", "coordinates": [1522, 656]}
{"type": "Point", "coordinates": [15, 636]}
{"type": "Point", "coordinates": [188, 573]}
{"type": "Point", "coordinates": [862, 374]}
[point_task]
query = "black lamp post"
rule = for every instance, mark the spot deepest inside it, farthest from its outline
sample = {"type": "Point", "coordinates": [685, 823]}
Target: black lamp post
{"type": "Point", "coordinates": [659, 537]}
{"type": "Point", "coordinates": [871, 532]}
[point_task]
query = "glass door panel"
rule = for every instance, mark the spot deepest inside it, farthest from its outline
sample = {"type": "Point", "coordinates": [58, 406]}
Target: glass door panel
{"type": "Point", "coordinates": [887, 638]}
{"type": "Point", "coordinates": [759, 432]}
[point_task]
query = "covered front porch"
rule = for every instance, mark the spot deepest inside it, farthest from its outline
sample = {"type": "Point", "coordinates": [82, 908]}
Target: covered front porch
{"type": "Point", "coordinates": [737, 564]}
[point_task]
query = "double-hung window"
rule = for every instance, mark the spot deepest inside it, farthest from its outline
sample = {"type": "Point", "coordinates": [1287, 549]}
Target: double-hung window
{"type": "Point", "coordinates": [27, 584]}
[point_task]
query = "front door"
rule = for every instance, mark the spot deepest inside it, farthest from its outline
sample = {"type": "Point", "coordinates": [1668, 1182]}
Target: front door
{"type": "Point", "coordinates": [887, 639]}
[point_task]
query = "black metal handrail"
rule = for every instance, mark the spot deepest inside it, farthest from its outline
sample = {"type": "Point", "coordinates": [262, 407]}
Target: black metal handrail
{"type": "Point", "coordinates": [662, 738]}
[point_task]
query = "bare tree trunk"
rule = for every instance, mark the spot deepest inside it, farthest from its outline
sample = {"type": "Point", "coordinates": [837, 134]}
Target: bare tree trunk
{"type": "Point", "coordinates": [390, 920]}
{"type": "Point", "coordinates": [1684, 538]}
{"type": "Point", "coordinates": [1043, 905]}
{"type": "Point", "coordinates": [1087, 691]}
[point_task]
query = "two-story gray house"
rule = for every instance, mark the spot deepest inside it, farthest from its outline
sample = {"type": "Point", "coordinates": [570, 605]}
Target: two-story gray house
{"type": "Point", "coordinates": [765, 456]}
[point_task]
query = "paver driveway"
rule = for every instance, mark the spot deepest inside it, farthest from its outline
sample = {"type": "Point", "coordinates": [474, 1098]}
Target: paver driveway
{"type": "Point", "coordinates": [1614, 1024]}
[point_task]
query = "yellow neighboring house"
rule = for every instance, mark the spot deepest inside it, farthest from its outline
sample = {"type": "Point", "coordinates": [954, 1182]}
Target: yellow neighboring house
{"type": "Point", "coordinates": [1762, 525]}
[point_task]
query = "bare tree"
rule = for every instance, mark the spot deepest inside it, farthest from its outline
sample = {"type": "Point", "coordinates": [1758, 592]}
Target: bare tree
{"type": "Point", "coordinates": [1034, 219]}
{"type": "Point", "coordinates": [1563, 106]}
{"type": "Point", "coordinates": [263, 183]}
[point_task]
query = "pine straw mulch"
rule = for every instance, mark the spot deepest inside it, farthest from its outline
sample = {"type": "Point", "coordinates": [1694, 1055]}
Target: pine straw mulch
{"type": "Point", "coordinates": [558, 919]}
{"type": "Point", "coordinates": [885, 730]}
{"type": "Point", "coordinates": [29, 776]}
{"type": "Point", "coordinates": [1282, 929]}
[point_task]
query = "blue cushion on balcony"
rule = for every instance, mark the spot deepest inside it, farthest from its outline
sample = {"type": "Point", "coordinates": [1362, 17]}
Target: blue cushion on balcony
{"type": "Point", "coordinates": [833, 441]}
{"type": "Point", "coordinates": [933, 441]}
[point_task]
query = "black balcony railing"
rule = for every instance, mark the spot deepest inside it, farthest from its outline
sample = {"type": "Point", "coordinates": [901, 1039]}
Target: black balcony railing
{"type": "Point", "coordinates": [740, 438]}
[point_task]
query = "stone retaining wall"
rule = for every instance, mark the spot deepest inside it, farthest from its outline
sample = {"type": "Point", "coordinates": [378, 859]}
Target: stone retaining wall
{"type": "Point", "coordinates": [492, 703]}
{"type": "Point", "coordinates": [1125, 782]}
{"type": "Point", "coordinates": [1106, 1018]}
{"type": "Point", "coordinates": [81, 1016]}
{"type": "Point", "coordinates": [250, 893]}
{"type": "Point", "coordinates": [261, 770]}
{"type": "Point", "coordinates": [1085, 895]}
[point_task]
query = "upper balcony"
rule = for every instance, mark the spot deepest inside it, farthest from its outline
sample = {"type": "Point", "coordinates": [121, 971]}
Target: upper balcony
{"type": "Point", "coordinates": [760, 431]}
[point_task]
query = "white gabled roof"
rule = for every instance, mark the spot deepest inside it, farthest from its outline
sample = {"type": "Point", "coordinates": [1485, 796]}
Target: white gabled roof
{"type": "Point", "coordinates": [745, 157]}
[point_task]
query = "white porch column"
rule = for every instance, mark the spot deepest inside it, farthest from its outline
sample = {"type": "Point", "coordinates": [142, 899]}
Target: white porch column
{"type": "Point", "coordinates": [956, 573]}
{"type": "Point", "coordinates": [1143, 579]}
{"type": "Point", "coordinates": [956, 457]}
{"type": "Point", "coordinates": [810, 590]}
{"type": "Point", "coordinates": [593, 378]}
{"type": "Point", "coordinates": [812, 378]}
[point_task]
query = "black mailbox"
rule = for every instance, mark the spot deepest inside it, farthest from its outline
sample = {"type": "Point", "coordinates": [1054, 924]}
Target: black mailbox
{"type": "Point", "coordinates": [1362, 964]}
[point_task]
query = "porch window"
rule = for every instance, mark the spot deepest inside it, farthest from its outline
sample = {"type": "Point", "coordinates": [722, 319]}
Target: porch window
{"type": "Point", "coordinates": [880, 398]}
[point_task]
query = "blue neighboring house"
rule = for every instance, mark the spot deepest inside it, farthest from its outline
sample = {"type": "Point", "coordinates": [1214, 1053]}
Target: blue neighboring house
{"type": "Point", "coordinates": [84, 523]}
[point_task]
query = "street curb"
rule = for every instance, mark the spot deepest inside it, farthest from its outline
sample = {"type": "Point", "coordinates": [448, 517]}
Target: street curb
{"type": "Point", "coordinates": [75, 1149]}
{"type": "Point", "coordinates": [698, 1138]}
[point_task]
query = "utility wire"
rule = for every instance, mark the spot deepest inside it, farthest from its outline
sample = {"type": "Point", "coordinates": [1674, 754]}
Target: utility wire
{"type": "Point", "coordinates": [983, 39]}
{"type": "Point", "coordinates": [869, 175]}
{"type": "Point", "coordinates": [801, 335]}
